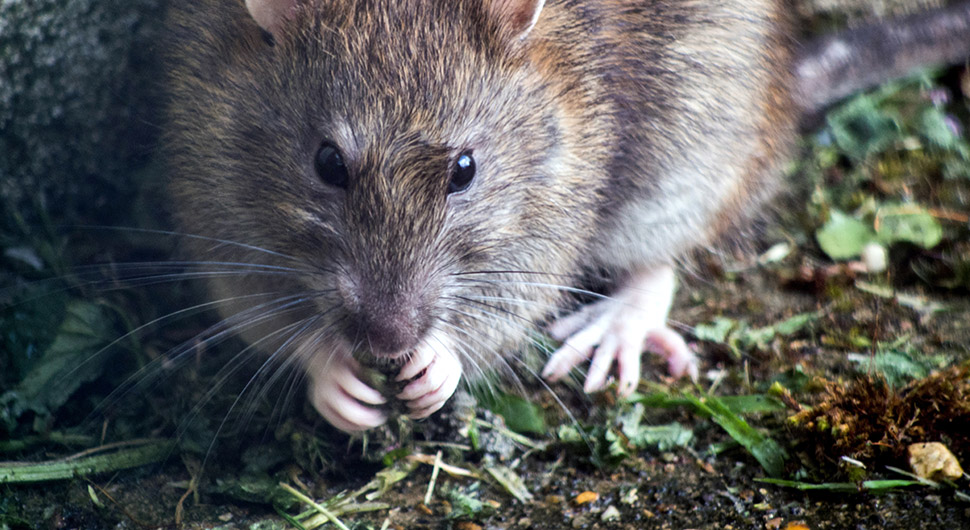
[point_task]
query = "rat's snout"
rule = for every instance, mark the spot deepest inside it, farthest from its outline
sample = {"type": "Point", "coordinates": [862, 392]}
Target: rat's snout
{"type": "Point", "coordinates": [388, 322]}
{"type": "Point", "coordinates": [387, 331]}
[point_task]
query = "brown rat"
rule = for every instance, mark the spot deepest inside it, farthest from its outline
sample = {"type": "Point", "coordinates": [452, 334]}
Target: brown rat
{"type": "Point", "coordinates": [425, 183]}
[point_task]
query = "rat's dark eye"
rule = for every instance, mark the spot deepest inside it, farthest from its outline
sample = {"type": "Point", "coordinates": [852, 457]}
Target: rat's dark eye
{"type": "Point", "coordinates": [462, 173]}
{"type": "Point", "coordinates": [330, 165]}
{"type": "Point", "coordinates": [267, 37]}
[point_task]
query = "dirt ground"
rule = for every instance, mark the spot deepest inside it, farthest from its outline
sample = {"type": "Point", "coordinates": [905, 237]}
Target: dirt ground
{"type": "Point", "coordinates": [676, 488]}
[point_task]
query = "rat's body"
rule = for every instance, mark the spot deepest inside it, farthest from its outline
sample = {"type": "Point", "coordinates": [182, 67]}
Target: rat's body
{"type": "Point", "coordinates": [421, 175]}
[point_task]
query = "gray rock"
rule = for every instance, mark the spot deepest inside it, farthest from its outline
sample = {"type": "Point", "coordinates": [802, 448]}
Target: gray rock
{"type": "Point", "coordinates": [75, 99]}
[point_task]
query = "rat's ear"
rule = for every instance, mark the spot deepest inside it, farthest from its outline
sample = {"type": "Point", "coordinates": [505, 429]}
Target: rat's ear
{"type": "Point", "coordinates": [516, 16]}
{"type": "Point", "coordinates": [271, 14]}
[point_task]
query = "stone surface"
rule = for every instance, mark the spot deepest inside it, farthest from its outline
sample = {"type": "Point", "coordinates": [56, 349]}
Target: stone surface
{"type": "Point", "coordinates": [934, 461]}
{"type": "Point", "coordinates": [76, 108]}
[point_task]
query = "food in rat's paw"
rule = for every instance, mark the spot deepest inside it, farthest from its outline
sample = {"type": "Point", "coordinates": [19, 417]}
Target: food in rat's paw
{"type": "Point", "coordinates": [428, 182]}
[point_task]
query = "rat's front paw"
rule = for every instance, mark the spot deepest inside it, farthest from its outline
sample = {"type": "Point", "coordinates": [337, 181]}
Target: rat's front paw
{"type": "Point", "coordinates": [617, 330]}
{"type": "Point", "coordinates": [341, 397]}
{"type": "Point", "coordinates": [438, 372]}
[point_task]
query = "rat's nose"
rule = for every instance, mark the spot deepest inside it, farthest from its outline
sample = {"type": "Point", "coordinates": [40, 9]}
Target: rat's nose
{"type": "Point", "coordinates": [387, 331]}
{"type": "Point", "coordinates": [387, 322]}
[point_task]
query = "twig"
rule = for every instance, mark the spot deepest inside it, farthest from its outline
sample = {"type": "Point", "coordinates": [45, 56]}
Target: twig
{"type": "Point", "coordinates": [454, 471]}
{"type": "Point", "coordinates": [86, 462]}
{"type": "Point", "coordinates": [310, 502]}
{"type": "Point", "coordinates": [434, 478]}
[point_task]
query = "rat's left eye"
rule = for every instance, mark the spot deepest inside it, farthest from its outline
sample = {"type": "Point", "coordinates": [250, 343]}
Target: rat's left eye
{"type": "Point", "coordinates": [330, 166]}
{"type": "Point", "coordinates": [462, 173]}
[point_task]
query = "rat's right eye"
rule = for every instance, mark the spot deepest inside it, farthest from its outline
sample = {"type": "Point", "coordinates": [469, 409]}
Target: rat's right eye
{"type": "Point", "coordinates": [330, 166]}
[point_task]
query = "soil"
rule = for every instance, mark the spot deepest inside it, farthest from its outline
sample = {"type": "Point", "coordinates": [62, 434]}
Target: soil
{"type": "Point", "coordinates": [679, 488]}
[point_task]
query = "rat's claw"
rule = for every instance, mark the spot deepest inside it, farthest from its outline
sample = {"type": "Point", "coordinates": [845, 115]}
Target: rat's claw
{"type": "Point", "coordinates": [577, 348]}
{"type": "Point", "coordinates": [430, 391]}
{"type": "Point", "coordinates": [347, 414]}
{"type": "Point", "coordinates": [340, 396]}
{"type": "Point", "coordinates": [681, 360]}
{"type": "Point", "coordinates": [618, 330]}
{"type": "Point", "coordinates": [420, 360]}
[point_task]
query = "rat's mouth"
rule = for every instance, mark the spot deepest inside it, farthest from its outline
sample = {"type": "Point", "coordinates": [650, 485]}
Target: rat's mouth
{"type": "Point", "coordinates": [382, 360]}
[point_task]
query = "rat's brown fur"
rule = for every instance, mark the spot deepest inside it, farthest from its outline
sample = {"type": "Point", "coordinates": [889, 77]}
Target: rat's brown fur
{"type": "Point", "coordinates": [614, 135]}
{"type": "Point", "coordinates": [247, 118]}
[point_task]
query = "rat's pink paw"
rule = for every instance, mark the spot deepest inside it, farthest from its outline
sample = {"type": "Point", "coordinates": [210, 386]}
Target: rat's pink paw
{"type": "Point", "coordinates": [340, 396]}
{"type": "Point", "coordinates": [429, 392]}
{"type": "Point", "coordinates": [617, 330]}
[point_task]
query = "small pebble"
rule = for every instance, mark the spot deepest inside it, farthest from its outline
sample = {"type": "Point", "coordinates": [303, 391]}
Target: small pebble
{"type": "Point", "coordinates": [610, 514]}
{"type": "Point", "coordinates": [585, 497]}
{"type": "Point", "coordinates": [630, 497]}
{"type": "Point", "coordinates": [934, 460]}
{"type": "Point", "coordinates": [554, 499]}
{"type": "Point", "coordinates": [776, 253]}
{"type": "Point", "coordinates": [875, 258]}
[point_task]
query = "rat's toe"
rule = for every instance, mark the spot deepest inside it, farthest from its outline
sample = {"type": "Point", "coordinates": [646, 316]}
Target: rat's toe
{"type": "Point", "coordinates": [434, 400]}
{"type": "Point", "coordinates": [574, 351]}
{"type": "Point", "coordinates": [614, 332]}
{"type": "Point", "coordinates": [344, 412]}
{"type": "Point", "coordinates": [340, 396]}
{"type": "Point", "coordinates": [681, 360]}
{"type": "Point", "coordinates": [442, 367]}
{"type": "Point", "coordinates": [420, 360]}
{"type": "Point", "coordinates": [360, 391]}
{"type": "Point", "coordinates": [434, 386]}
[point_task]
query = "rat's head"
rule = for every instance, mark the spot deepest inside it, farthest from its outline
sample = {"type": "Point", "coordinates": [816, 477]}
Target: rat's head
{"type": "Point", "coordinates": [430, 166]}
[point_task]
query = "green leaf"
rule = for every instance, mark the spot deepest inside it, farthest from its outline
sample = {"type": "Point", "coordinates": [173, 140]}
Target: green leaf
{"type": "Point", "coordinates": [511, 481]}
{"type": "Point", "coordinates": [848, 487]}
{"type": "Point", "coordinates": [933, 126]}
{"type": "Point", "coordinates": [73, 358]}
{"type": "Point", "coordinates": [466, 504]}
{"type": "Point", "coordinates": [28, 324]}
{"type": "Point", "coordinates": [899, 366]}
{"type": "Point", "coordinates": [909, 223]}
{"type": "Point", "coordinates": [843, 236]}
{"type": "Point", "coordinates": [752, 404]}
{"type": "Point", "coordinates": [520, 415]}
{"type": "Point", "coordinates": [663, 437]}
{"type": "Point", "coordinates": [387, 477]}
{"type": "Point", "coordinates": [766, 451]}
{"type": "Point", "coordinates": [749, 404]}
{"type": "Point", "coordinates": [258, 488]}
{"type": "Point", "coordinates": [570, 433]}
{"type": "Point", "coordinates": [794, 379]}
{"type": "Point", "coordinates": [716, 331]}
{"type": "Point", "coordinates": [956, 167]}
{"type": "Point", "coordinates": [860, 128]}
{"type": "Point", "coordinates": [795, 324]}
{"type": "Point", "coordinates": [739, 337]}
